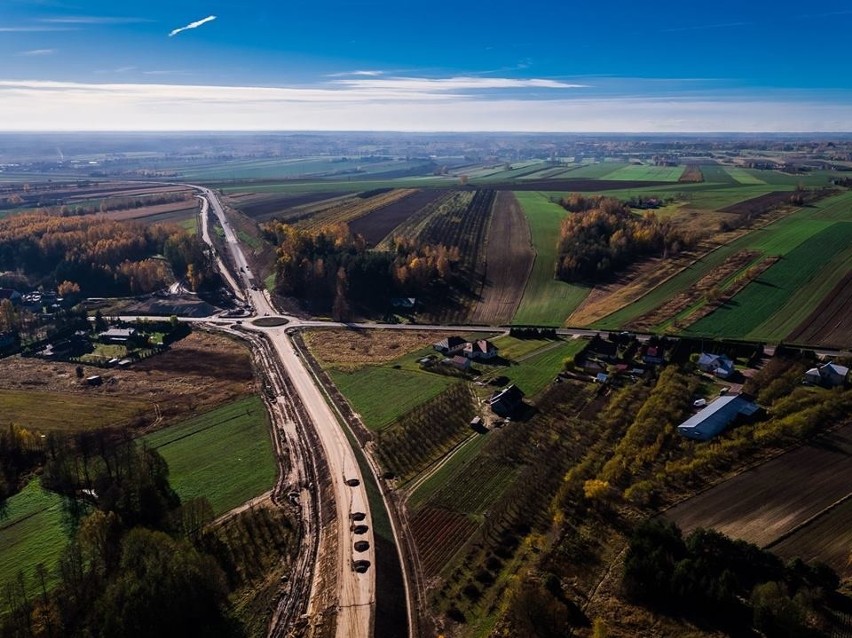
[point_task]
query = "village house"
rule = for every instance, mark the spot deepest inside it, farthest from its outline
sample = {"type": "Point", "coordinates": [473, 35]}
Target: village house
{"type": "Point", "coordinates": [717, 364]}
{"type": "Point", "coordinates": [653, 355]}
{"type": "Point", "coordinates": [506, 401]}
{"type": "Point", "coordinates": [450, 345]}
{"type": "Point", "coordinates": [829, 375]}
{"type": "Point", "coordinates": [120, 336]}
{"type": "Point", "coordinates": [481, 349]}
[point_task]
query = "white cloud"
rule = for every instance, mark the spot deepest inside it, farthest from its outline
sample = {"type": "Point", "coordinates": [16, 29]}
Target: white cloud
{"type": "Point", "coordinates": [191, 25]}
{"type": "Point", "coordinates": [39, 105]}
{"type": "Point", "coordinates": [37, 52]}
{"type": "Point", "coordinates": [456, 83]}
{"type": "Point", "coordinates": [344, 74]}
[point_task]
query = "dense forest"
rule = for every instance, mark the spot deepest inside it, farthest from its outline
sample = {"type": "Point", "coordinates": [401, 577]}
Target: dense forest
{"type": "Point", "coordinates": [603, 236]}
{"type": "Point", "coordinates": [103, 257]}
{"type": "Point", "coordinates": [140, 562]}
{"type": "Point", "coordinates": [332, 269]}
{"type": "Point", "coordinates": [725, 583]}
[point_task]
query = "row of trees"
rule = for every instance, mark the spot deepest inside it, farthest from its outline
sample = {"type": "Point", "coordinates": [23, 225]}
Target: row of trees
{"type": "Point", "coordinates": [102, 256]}
{"type": "Point", "coordinates": [332, 269]}
{"type": "Point", "coordinates": [604, 235]}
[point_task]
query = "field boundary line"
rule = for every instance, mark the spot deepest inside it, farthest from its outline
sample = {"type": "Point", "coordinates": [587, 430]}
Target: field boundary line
{"type": "Point", "coordinates": [797, 528]}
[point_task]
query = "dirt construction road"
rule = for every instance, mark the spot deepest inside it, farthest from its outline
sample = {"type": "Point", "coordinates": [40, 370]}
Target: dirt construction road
{"type": "Point", "coordinates": [356, 590]}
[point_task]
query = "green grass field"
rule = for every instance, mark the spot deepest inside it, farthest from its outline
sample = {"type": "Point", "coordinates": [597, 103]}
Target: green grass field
{"type": "Point", "coordinates": [643, 173]}
{"type": "Point", "coordinates": [47, 411]}
{"type": "Point", "coordinates": [783, 289]}
{"type": "Point", "coordinates": [592, 171]}
{"type": "Point", "coordinates": [778, 238]}
{"type": "Point", "coordinates": [837, 208]}
{"type": "Point", "coordinates": [513, 348]}
{"type": "Point", "coordinates": [451, 468]}
{"type": "Point", "coordinates": [546, 301]}
{"type": "Point", "coordinates": [535, 373]}
{"type": "Point", "coordinates": [225, 454]}
{"type": "Point", "coordinates": [31, 532]}
{"type": "Point", "coordinates": [742, 176]}
{"type": "Point", "coordinates": [382, 394]}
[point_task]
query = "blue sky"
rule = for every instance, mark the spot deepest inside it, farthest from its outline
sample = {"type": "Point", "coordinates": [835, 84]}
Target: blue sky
{"type": "Point", "coordinates": [374, 64]}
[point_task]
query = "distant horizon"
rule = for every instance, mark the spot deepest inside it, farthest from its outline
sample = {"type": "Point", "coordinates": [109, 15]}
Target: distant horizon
{"type": "Point", "coordinates": [661, 134]}
{"type": "Point", "coordinates": [341, 66]}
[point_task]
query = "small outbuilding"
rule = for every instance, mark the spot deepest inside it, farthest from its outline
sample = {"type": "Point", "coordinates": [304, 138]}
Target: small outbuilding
{"type": "Point", "coordinates": [462, 363]}
{"type": "Point", "coordinates": [717, 416]}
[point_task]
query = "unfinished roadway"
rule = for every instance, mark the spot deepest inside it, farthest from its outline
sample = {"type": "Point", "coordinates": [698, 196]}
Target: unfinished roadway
{"type": "Point", "coordinates": [343, 582]}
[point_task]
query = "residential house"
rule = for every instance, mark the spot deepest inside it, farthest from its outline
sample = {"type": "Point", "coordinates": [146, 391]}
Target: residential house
{"type": "Point", "coordinates": [481, 349]}
{"type": "Point", "coordinates": [830, 375]}
{"type": "Point", "coordinates": [717, 416]}
{"type": "Point", "coordinates": [653, 355]}
{"type": "Point", "coordinates": [602, 349]}
{"type": "Point", "coordinates": [117, 335]}
{"type": "Point", "coordinates": [506, 401]}
{"type": "Point", "coordinates": [717, 364]}
{"type": "Point", "coordinates": [450, 345]}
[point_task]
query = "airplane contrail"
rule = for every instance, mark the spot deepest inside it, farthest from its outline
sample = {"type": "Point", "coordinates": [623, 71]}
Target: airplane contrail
{"type": "Point", "coordinates": [192, 25]}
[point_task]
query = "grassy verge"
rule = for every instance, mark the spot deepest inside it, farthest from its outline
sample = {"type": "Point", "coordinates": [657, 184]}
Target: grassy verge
{"type": "Point", "coordinates": [546, 301]}
{"type": "Point", "coordinates": [225, 454]}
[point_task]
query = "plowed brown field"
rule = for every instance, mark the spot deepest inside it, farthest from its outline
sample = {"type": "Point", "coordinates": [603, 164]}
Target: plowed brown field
{"type": "Point", "coordinates": [831, 323]}
{"type": "Point", "coordinates": [773, 499]}
{"type": "Point", "coordinates": [509, 258]}
{"type": "Point", "coordinates": [378, 224]}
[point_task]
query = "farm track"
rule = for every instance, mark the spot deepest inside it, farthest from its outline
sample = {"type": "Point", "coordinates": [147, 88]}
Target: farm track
{"type": "Point", "coordinates": [827, 537]}
{"type": "Point", "coordinates": [509, 258]}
